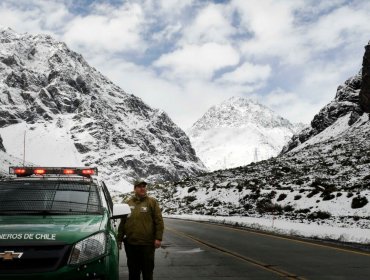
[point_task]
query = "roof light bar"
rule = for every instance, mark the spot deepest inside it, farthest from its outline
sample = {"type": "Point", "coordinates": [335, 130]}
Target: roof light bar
{"type": "Point", "coordinates": [28, 171]}
{"type": "Point", "coordinates": [20, 171]}
{"type": "Point", "coordinates": [88, 171]}
{"type": "Point", "coordinates": [68, 171]}
{"type": "Point", "coordinates": [39, 171]}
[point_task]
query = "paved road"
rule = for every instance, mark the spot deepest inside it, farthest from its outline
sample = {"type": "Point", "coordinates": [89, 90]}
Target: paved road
{"type": "Point", "coordinates": [204, 251]}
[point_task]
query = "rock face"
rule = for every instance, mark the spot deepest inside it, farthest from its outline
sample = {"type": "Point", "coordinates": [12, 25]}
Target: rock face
{"type": "Point", "coordinates": [2, 148]}
{"type": "Point", "coordinates": [238, 132]}
{"type": "Point", "coordinates": [365, 88]}
{"type": "Point", "coordinates": [346, 102]}
{"type": "Point", "coordinates": [50, 88]}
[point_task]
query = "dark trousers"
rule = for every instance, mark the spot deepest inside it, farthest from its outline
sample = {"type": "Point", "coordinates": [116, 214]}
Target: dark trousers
{"type": "Point", "coordinates": [140, 259]}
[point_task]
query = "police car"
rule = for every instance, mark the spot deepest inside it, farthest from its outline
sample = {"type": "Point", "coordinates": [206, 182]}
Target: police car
{"type": "Point", "coordinates": [58, 223]}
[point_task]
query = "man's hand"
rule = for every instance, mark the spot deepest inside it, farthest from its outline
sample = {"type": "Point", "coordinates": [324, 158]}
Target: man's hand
{"type": "Point", "coordinates": [120, 245]}
{"type": "Point", "coordinates": [157, 243]}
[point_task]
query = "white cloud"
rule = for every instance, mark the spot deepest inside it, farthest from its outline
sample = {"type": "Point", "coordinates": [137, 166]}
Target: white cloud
{"type": "Point", "coordinates": [248, 73]}
{"type": "Point", "coordinates": [57, 15]}
{"type": "Point", "coordinates": [33, 16]}
{"type": "Point", "coordinates": [197, 61]}
{"type": "Point", "coordinates": [174, 6]}
{"type": "Point", "coordinates": [181, 47]}
{"type": "Point", "coordinates": [272, 27]}
{"type": "Point", "coordinates": [107, 29]}
{"type": "Point", "coordinates": [167, 33]}
{"type": "Point", "coordinates": [279, 97]}
{"type": "Point", "coordinates": [184, 103]}
{"type": "Point", "coordinates": [165, 18]}
{"type": "Point", "coordinates": [339, 27]}
{"type": "Point", "coordinates": [212, 24]}
{"type": "Point", "coordinates": [316, 89]}
{"type": "Point", "coordinates": [297, 31]}
{"type": "Point", "coordinates": [291, 106]}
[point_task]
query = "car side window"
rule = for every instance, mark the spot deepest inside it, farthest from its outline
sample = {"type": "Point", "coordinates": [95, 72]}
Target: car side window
{"type": "Point", "coordinates": [107, 196]}
{"type": "Point", "coordinates": [103, 198]}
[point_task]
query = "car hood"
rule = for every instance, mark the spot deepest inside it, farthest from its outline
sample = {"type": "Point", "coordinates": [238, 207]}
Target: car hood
{"type": "Point", "coordinates": [63, 228]}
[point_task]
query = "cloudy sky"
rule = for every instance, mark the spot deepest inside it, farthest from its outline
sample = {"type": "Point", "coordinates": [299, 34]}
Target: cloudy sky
{"type": "Point", "coordinates": [184, 56]}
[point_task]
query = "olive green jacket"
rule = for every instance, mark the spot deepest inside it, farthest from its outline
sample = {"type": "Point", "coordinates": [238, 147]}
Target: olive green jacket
{"type": "Point", "coordinates": [144, 224]}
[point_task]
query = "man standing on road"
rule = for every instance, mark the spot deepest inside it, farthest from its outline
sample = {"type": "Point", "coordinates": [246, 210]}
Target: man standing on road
{"type": "Point", "coordinates": [141, 232]}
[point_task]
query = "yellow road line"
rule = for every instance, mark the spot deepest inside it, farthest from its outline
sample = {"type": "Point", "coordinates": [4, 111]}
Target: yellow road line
{"type": "Point", "coordinates": [328, 246]}
{"type": "Point", "coordinates": [259, 264]}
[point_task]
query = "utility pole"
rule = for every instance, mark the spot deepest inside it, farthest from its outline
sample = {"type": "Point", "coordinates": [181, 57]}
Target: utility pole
{"type": "Point", "coordinates": [24, 148]}
{"type": "Point", "coordinates": [255, 155]}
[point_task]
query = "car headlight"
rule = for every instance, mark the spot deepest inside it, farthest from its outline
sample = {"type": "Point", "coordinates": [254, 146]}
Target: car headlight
{"type": "Point", "coordinates": [89, 248]}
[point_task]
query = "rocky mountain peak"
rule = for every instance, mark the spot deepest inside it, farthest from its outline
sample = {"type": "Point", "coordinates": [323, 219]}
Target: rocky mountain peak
{"type": "Point", "coordinates": [46, 87]}
{"type": "Point", "coordinates": [238, 112]}
{"type": "Point", "coordinates": [237, 132]}
{"type": "Point", "coordinates": [365, 88]}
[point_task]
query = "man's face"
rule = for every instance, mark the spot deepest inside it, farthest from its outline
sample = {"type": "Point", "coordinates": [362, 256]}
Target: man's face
{"type": "Point", "coordinates": [140, 190]}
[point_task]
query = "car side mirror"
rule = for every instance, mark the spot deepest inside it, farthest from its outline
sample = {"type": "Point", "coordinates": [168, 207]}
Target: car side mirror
{"type": "Point", "coordinates": [120, 211]}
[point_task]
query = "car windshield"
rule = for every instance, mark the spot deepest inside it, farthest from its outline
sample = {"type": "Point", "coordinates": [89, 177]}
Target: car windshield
{"type": "Point", "coordinates": [49, 197]}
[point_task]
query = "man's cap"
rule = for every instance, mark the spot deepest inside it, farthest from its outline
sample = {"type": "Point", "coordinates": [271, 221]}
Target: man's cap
{"type": "Point", "coordinates": [140, 182]}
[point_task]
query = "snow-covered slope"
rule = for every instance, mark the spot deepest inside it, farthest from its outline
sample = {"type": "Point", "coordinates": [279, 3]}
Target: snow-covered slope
{"type": "Point", "coordinates": [238, 132]}
{"type": "Point", "coordinates": [322, 177]}
{"type": "Point", "coordinates": [73, 115]}
{"type": "Point", "coordinates": [6, 160]}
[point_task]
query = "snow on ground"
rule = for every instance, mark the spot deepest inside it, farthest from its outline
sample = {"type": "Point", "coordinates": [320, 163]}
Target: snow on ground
{"type": "Point", "coordinates": [119, 187]}
{"type": "Point", "coordinates": [46, 144]}
{"type": "Point", "coordinates": [272, 224]}
{"type": "Point", "coordinates": [6, 161]}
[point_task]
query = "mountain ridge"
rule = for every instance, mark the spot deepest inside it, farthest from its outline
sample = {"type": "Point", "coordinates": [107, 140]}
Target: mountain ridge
{"type": "Point", "coordinates": [47, 87]}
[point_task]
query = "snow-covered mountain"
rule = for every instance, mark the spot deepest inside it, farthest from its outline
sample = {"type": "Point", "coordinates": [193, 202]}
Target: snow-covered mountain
{"type": "Point", "coordinates": [322, 176]}
{"type": "Point", "coordinates": [237, 132]}
{"type": "Point", "coordinates": [73, 115]}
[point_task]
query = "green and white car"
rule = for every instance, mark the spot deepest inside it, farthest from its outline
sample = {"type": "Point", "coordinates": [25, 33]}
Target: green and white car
{"type": "Point", "coordinates": [58, 223]}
